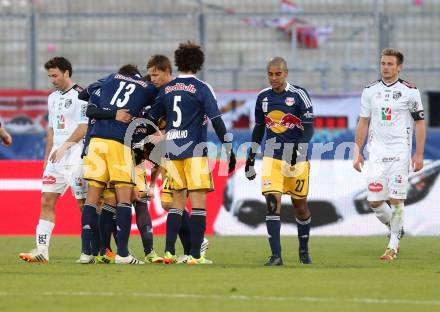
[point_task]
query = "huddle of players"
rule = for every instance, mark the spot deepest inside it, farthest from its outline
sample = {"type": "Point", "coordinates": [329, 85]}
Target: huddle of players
{"type": "Point", "coordinates": [125, 111]}
{"type": "Point", "coordinates": [108, 145]}
{"type": "Point", "coordinates": [108, 163]}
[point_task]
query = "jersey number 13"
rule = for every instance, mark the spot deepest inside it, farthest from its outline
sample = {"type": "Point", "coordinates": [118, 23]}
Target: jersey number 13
{"type": "Point", "coordinates": [126, 96]}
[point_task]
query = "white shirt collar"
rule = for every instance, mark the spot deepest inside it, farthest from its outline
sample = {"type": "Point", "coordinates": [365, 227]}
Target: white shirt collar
{"type": "Point", "coordinates": [287, 86]}
{"type": "Point", "coordinates": [186, 76]}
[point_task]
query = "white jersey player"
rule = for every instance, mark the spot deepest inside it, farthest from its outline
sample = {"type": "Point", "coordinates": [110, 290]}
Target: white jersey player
{"type": "Point", "coordinates": [390, 108]}
{"type": "Point", "coordinates": [62, 159]}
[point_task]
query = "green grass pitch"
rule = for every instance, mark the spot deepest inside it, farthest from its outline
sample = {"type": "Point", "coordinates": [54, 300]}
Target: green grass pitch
{"type": "Point", "coordinates": [346, 276]}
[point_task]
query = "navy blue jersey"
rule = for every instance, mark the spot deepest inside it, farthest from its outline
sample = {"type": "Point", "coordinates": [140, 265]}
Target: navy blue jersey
{"type": "Point", "coordinates": [187, 103]}
{"type": "Point", "coordinates": [93, 100]}
{"type": "Point", "coordinates": [121, 92]}
{"type": "Point", "coordinates": [284, 115]}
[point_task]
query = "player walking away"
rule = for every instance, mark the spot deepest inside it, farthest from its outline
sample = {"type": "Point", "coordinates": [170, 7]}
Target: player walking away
{"type": "Point", "coordinates": [389, 109]}
{"type": "Point", "coordinates": [109, 161]}
{"type": "Point", "coordinates": [5, 137]}
{"type": "Point", "coordinates": [285, 113]}
{"type": "Point", "coordinates": [62, 159]}
{"type": "Point", "coordinates": [187, 102]}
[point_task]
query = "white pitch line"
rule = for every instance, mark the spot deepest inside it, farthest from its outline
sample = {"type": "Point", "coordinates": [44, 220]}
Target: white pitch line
{"type": "Point", "coordinates": [224, 297]}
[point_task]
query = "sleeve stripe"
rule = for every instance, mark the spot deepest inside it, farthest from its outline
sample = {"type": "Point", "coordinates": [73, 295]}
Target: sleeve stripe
{"type": "Point", "coordinates": [303, 96]}
{"type": "Point", "coordinates": [209, 87]}
{"type": "Point", "coordinates": [265, 89]}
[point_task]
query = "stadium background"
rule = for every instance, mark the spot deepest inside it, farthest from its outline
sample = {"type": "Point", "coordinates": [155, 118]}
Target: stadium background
{"type": "Point", "coordinates": [332, 48]}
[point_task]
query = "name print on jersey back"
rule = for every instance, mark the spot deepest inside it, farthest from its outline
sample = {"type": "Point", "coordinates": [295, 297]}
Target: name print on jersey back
{"type": "Point", "coordinates": [187, 102]}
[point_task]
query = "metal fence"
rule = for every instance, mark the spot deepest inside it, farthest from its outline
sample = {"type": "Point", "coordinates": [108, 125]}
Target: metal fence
{"type": "Point", "coordinates": [331, 46]}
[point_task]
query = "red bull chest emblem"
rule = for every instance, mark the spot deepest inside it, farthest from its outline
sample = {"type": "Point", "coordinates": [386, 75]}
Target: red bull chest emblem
{"type": "Point", "coordinates": [279, 122]}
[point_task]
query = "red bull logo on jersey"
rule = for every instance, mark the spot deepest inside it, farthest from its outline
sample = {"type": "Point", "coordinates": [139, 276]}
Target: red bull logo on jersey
{"type": "Point", "coordinates": [279, 122]}
{"type": "Point", "coordinates": [181, 87]}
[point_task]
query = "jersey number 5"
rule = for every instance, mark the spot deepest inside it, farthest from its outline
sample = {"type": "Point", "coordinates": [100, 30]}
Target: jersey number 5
{"type": "Point", "coordinates": [122, 102]}
{"type": "Point", "coordinates": [178, 121]}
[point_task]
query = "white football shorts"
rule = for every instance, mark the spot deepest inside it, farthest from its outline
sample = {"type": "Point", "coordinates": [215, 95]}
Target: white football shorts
{"type": "Point", "coordinates": [57, 177]}
{"type": "Point", "coordinates": [387, 177]}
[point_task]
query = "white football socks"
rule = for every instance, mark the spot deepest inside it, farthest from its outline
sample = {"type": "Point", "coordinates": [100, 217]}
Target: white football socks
{"type": "Point", "coordinates": [43, 233]}
{"type": "Point", "coordinates": [396, 224]}
{"type": "Point", "coordinates": [383, 213]}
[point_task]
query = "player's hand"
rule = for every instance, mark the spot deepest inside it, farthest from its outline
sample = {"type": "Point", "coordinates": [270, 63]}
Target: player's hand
{"type": "Point", "coordinates": [150, 192]}
{"type": "Point", "coordinates": [294, 156]}
{"type": "Point", "coordinates": [358, 162]}
{"type": "Point", "coordinates": [58, 154]}
{"type": "Point", "coordinates": [232, 161]}
{"type": "Point", "coordinates": [136, 194]}
{"type": "Point", "coordinates": [123, 115]}
{"type": "Point", "coordinates": [156, 138]}
{"type": "Point", "coordinates": [249, 168]}
{"type": "Point", "coordinates": [5, 137]}
{"type": "Point", "coordinates": [417, 162]}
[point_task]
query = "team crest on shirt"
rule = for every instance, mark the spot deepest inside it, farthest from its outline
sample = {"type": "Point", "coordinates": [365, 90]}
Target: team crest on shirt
{"type": "Point", "coordinates": [397, 95]}
{"type": "Point", "coordinates": [290, 101]}
{"type": "Point", "coordinates": [67, 103]}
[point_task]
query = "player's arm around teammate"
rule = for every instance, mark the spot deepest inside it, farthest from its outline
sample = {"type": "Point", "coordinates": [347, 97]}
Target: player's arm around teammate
{"type": "Point", "coordinates": [187, 103]}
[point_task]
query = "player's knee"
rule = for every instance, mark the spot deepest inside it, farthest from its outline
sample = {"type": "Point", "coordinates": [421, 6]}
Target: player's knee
{"type": "Point", "coordinates": [272, 203]}
{"type": "Point", "coordinates": [375, 204]}
{"type": "Point", "coordinates": [301, 210]}
{"type": "Point", "coordinates": [394, 201]}
{"type": "Point", "coordinates": [48, 202]}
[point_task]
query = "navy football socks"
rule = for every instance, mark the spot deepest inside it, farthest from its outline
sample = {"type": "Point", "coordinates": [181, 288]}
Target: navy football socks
{"type": "Point", "coordinates": [143, 221]}
{"type": "Point", "coordinates": [198, 226]}
{"type": "Point", "coordinates": [106, 227]}
{"type": "Point", "coordinates": [273, 224]}
{"type": "Point", "coordinates": [89, 220]}
{"type": "Point", "coordinates": [185, 233]}
{"type": "Point", "coordinates": [123, 222]}
{"type": "Point", "coordinates": [174, 220]}
{"type": "Point", "coordinates": [303, 233]}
